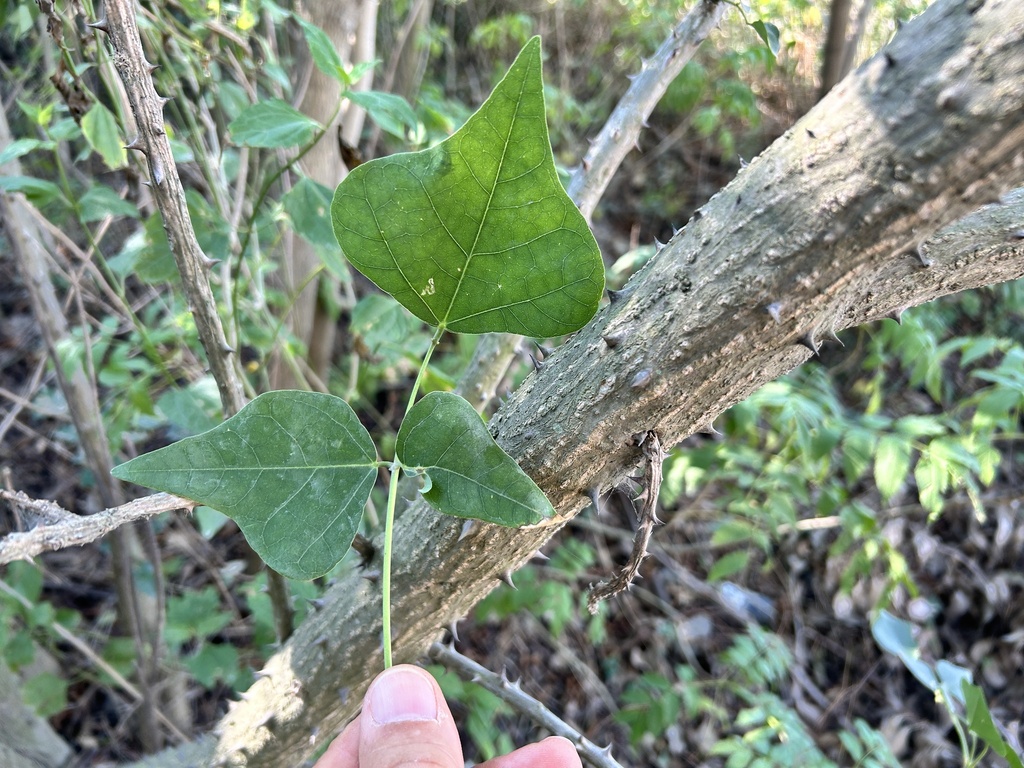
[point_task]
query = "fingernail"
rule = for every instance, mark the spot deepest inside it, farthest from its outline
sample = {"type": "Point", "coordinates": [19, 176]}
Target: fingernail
{"type": "Point", "coordinates": [400, 695]}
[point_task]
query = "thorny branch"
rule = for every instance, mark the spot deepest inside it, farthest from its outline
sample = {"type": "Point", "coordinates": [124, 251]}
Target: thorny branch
{"type": "Point", "coordinates": [57, 528]}
{"type": "Point", "coordinates": [647, 518]}
{"type": "Point", "coordinates": [513, 695]}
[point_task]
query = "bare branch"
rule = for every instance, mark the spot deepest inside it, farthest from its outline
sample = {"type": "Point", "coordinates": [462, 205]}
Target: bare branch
{"type": "Point", "coordinates": [59, 529]}
{"type": "Point", "coordinates": [620, 133]}
{"type": "Point", "coordinates": [513, 695]}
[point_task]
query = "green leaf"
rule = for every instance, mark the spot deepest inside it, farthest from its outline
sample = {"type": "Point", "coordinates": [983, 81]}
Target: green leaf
{"type": "Point", "coordinates": [272, 124]}
{"type": "Point", "coordinates": [100, 129]}
{"type": "Point", "coordinates": [769, 33]}
{"type": "Point", "coordinates": [100, 201]}
{"type": "Point", "coordinates": [17, 149]}
{"type": "Point", "coordinates": [46, 693]}
{"type": "Point", "coordinates": [979, 720]}
{"type": "Point", "coordinates": [476, 234]}
{"type": "Point", "coordinates": [892, 464]}
{"type": "Point", "coordinates": [728, 564]}
{"type": "Point", "coordinates": [322, 51]}
{"type": "Point", "coordinates": [470, 475]}
{"type": "Point", "coordinates": [38, 191]}
{"type": "Point", "coordinates": [389, 111]}
{"type": "Point", "coordinates": [293, 469]}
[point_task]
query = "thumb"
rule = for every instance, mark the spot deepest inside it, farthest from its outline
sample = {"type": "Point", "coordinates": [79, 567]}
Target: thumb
{"type": "Point", "coordinates": [406, 722]}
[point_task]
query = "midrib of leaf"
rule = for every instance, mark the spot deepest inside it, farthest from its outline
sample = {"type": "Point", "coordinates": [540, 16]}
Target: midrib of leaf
{"type": "Point", "coordinates": [487, 209]}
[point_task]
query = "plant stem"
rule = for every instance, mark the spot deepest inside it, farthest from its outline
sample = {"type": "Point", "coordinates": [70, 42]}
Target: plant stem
{"type": "Point", "coordinates": [389, 524]}
{"type": "Point", "coordinates": [389, 519]}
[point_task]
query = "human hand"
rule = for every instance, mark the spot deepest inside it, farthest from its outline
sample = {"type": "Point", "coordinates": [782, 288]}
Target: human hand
{"type": "Point", "coordinates": [406, 723]}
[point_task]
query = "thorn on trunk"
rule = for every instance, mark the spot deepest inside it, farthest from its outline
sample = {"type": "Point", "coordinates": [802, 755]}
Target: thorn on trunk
{"type": "Point", "coordinates": [614, 338]}
{"type": "Point", "coordinates": [896, 314]}
{"type": "Point", "coordinates": [807, 340]}
{"type": "Point", "coordinates": [614, 296]}
{"type": "Point", "coordinates": [100, 24]}
{"type": "Point", "coordinates": [775, 310]}
{"type": "Point", "coordinates": [507, 578]}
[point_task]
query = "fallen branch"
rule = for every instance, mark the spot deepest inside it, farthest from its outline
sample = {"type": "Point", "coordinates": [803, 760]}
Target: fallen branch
{"type": "Point", "coordinates": [513, 695]}
{"type": "Point", "coordinates": [60, 529]}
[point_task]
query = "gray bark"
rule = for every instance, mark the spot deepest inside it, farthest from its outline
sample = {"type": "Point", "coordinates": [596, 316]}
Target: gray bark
{"type": "Point", "coordinates": [829, 226]}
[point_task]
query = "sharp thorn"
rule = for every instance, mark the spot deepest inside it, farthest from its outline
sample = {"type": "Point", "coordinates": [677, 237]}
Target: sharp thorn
{"type": "Point", "coordinates": [922, 256]}
{"type": "Point", "coordinates": [227, 349]}
{"type": "Point", "coordinates": [832, 335]}
{"type": "Point", "coordinates": [807, 340]}
{"type": "Point", "coordinates": [614, 338]}
{"type": "Point", "coordinates": [546, 351]}
{"type": "Point", "coordinates": [810, 133]}
{"type": "Point", "coordinates": [614, 296]}
{"type": "Point", "coordinates": [134, 144]}
{"type": "Point", "coordinates": [775, 310]}
{"type": "Point", "coordinates": [658, 246]}
{"type": "Point", "coordinates": [100, 24]}
{"type": "Point", "coordinates": [539, 555]}
{"type": "Point", "coordinates": [537, 364]}
{"type": "Point", "coordinates": [595, 499]}
{"type": "Point", "coordinates": [453, 630]}
{"type": "Point", "coordinates": [896, 314]}
{"type": "Point", "coordinates": [507, 578]}
{"type": "Point", "coordinates": [467, 528]}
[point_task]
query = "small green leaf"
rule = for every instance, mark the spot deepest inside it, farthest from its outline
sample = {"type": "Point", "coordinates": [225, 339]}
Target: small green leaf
{"type": "Point", "coordinates": [476, 234]}
{"type": "Point", "coordinates": [272, 124]}
{"type": "Point", "coordinates": [979, 720]}
{"type": "Point", "coordinates": [18, 148]}
{"type": "Point", "coordinates": [389, 111]}
{"type": "Point", "coordinates": [38, 191]}
{"type": "Point", "coordinates": [769, 33]}
{"type": "Point", "coordinates": [100, 201]}
{"type": "Point", "coordinates": [892, 464]}
{"type": "Point", "coordinates": [293, 469]}
{"type": "Point", "coordinates": [100, 129]}
{"type": "Point", "coordinates": [322, 51]}
{"type": "Point", "coordinates": [728, 564]}
{"type": "Point", "coordinates": [470, 475]}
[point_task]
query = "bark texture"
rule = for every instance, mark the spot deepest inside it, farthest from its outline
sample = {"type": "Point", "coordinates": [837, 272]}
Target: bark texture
{"type": "Point", "coordinates": [830, 227]}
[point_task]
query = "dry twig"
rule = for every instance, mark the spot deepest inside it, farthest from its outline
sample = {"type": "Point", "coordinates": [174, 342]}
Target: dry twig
{"type": "Point", "coordinates": [60, 529]}
{"type": "Point", "coordinates": [513, 695]}
{"type": "Point", "coordinates": [654, 455]}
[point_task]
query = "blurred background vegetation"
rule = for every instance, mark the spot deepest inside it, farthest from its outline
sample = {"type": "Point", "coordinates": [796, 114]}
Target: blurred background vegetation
{"type": "Point", "coordinates": [884, 475]}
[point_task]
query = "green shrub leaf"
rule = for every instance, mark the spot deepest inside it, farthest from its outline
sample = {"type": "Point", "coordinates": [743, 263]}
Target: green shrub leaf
{"type": "Point", "coordinates": [476, 234]}
{"type": "Point", "coordinates": [293, 469]}
{"type": "Point", "coordinates": [979, 720]}
{"type": "Point", "coordinates": [892, 464]}
{"type": "Point", "coordinates": [100, 129]}
{"type": "Point", "coordinates": [469, 474]}
{"type": "Point", "coordinates": [272, 124]}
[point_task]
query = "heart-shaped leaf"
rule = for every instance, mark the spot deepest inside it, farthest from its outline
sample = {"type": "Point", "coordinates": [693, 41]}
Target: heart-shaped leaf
{"type": "Point", "coordinates": [293, 469]}
{"type": "Point", "coordinates": [469, 475]}
{"type": "Point", "coordinates": [476, 234]}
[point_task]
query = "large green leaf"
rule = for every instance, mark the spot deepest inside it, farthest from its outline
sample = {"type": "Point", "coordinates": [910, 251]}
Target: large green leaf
{"type": "Point", "coordinates": [100, 128]}
{"type": "Point", "coordinates": [476, 234]}
{"type": "Point", "coordinates": [293, 469]}
{"type": "Point", "coordinates": [468, 475]}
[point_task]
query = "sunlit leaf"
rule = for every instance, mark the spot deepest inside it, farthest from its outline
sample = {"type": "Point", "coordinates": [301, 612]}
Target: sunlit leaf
{"type": "Point", "coordinates": [892, 464]}
{"type": "Point", "coordinates": [293, 469]}
{"type": "Point", "coordinates": [272, 124]}
{"type": "Point", "coordinates": [979, 720]}
{"type": "Point", "coordinates": [476, 234]}
{"type": "Point", "coordinates": [470, 475]}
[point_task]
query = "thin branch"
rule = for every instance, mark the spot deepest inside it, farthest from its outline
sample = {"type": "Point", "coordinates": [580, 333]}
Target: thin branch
{"type": "Point", "coordinates": [622, 129]}
{"type": "Point", "coordinates": [647, 517]}
{"type": "Point", "coordinates": [193, 264]}
{"type": "Point", "coordinates": [513, 695]}
{"type": "Point", "coordinates": [59, 529]}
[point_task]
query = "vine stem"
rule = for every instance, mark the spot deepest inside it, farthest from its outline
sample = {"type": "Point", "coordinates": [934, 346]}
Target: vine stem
{"type": "Point", "coordinates": [389, 518]}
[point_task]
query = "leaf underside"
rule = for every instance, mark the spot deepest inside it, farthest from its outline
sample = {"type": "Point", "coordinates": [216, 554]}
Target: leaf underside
{"type": "Point", "coordinates": [293, 469]}
{"type": "Point", "coordinates": [476, 234]}
{"type": "Point", "coordinates": [470, 475]}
